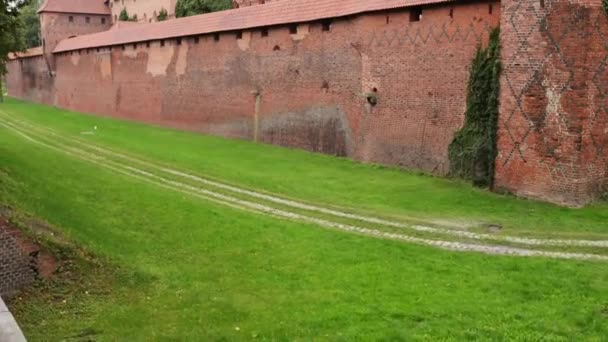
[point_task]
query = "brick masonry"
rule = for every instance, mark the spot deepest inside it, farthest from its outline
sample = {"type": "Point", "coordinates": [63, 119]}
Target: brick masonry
{"type": "Point", "coordinates": [553, 135]}
{"type": "Point", "coordinates": [306, 89]}
{"type": "Point", "coordinates": [306, 85]}
{"type": "Point", "coordinates": [15, 270]}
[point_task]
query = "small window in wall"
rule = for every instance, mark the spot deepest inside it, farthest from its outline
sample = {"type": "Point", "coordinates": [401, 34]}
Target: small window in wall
{"type": "Point", "coordinates": [239, 35]}
{"type": "Point", "coordinates": [103, 21]}
{"type": "Point", "coordinates": [162, 43]}
{"type": "Point", "coordinates": [147, 44]}
{"type": "Point", "coordinates": [71, 19]}
{"type": "Point", "coordinates": [135, 46]}
{"type": "Point", "coordinates": [216, 37]}
{"type": "Point", "coordinates": [416, 14]}
{"type": "Point", "coordinates": [326, 25]}
{"type": "Point", "coordinates": [196, 39]}
{"type": "Point", "coordinates": [490, 8]}
{"type": "Point", "coordinates": [178, 41]}
{"type": "Point", "coordinates": [87, 20]}
{"type": "Point", "coordinates": [452, 13]}
{"type": "Point", "coordinates": [122, 47]}
{"type": "Point", "coordinates": [264, 32]}
{"type": "Point", "coordinates": [293, 29]}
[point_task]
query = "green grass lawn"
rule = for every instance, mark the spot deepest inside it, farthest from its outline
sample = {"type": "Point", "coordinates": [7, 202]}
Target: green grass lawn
{"type": "Point", "coordinates": [175, 267]}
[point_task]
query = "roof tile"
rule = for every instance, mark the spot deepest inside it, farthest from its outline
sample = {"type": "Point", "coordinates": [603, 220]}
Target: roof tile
{"type": "Point", "coordinates": [274, 13]}
{"type": "Point", "coordinates": [75, 6]}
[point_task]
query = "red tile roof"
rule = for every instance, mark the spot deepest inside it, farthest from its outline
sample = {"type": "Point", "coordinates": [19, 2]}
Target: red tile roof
{"type": "Point", "coordinates": [75, 6]}
{"type": "Point", "coordinates": [273, 13]}
{"type": "Point", "coordinates": [33, 52]}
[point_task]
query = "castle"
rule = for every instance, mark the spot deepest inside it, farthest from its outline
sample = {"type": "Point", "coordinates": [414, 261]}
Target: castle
{"type": "Point", "coordinates": [299, 73]}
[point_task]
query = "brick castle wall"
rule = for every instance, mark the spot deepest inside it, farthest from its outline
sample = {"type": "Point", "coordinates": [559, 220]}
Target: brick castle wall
{"type": "Point", "coordinates": [553, 134]}
{"type": "Point", "coordinates": [55, 27]}
{"type": "Point", "coordinates": [306, 89]}
{"type": "Point", "coordinates": [29, 79]}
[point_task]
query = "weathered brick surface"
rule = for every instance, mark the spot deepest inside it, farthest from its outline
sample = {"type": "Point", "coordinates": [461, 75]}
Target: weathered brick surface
{"type": "Point", "coordinates": [29, 78]}
{"type": "Point", "coordinates": [57, 26]}
{"type": "Point", "coordinates": [553, 130]}
{"type": "Point", "coordinates": [15, 270]}
{"type": "Point", "coordinates": [303, 90]}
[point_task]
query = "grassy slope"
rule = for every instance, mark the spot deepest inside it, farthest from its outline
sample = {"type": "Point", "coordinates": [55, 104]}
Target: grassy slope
{"type": "Point", "coordinates": [203, 270]}
{"type": "Point", "coordinates": [320, 178]}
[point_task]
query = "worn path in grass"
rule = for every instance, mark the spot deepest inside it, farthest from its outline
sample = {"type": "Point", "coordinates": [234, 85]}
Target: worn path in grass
{"type": "Point", "coordinates": [131, 166]}
{"type": "Point", "coordinates": [201, 270]}
{"type": "Point", "coordinates": [315, 178]}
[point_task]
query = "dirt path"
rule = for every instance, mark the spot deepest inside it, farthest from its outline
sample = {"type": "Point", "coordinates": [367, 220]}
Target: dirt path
{"type": "Point", "coordinates": [262, 203]}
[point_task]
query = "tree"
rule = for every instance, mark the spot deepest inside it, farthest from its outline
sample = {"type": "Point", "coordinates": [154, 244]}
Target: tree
{"type": "Point", "coordinates": [186, 8]}
{"type": "Point", "coordinates": [124, 16]}
{"type": "Point", "coordinates": [31, 24]}
{"type": "Point", "coordinates": [162, 15]}
{"type": "Point", "coordinates": [11, 33]}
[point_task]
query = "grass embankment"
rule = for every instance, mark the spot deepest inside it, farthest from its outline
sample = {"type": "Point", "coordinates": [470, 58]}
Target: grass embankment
{"type": "Point", "coordinates": [203, 271]}
{"type": "Point", "coordinates": [322, 179]}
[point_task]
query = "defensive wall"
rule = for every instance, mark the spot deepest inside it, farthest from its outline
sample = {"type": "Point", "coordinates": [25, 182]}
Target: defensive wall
{"type": "Point", "coordinates": [385, 84]}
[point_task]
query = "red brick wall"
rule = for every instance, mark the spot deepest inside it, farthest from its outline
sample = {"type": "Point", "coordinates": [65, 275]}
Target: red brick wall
{"type": "Point", "coordinates": [29, 78]}
{"type": "Point", "coordinates": [57, 26]}
{"type": "Point", "coordinates": [310, 86]}
{"type": "Point", "coordinates": [553, 134]}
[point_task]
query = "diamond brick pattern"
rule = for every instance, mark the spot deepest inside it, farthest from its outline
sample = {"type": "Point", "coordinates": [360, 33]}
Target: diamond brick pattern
{"type": "Point", "coordinates": [555, 81]}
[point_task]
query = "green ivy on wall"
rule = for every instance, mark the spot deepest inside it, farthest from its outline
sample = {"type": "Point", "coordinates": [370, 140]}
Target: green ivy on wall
{"type": "Point", "coordinates": [473, 150]}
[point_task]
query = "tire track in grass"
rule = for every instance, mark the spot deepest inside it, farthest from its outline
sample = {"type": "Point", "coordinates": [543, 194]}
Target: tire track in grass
{"type": "Point", "coordinates": [250, 206]}
{"type": "Point", "coordinates": [303, 206]}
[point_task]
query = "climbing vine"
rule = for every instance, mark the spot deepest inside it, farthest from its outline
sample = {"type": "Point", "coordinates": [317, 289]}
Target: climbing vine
{"type": "Point", "coordinates": [473, 150]}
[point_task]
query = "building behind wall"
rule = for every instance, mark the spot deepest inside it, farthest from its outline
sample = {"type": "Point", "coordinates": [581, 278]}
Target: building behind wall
{"type": "Point", "coordinates": [145, 11]}
{"type": "Point", "coordinates": [306, 78]}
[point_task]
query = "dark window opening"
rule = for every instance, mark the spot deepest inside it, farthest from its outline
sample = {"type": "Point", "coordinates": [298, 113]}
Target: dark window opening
{"type": "Point", "coordinates": [416, 14]}
{"type": "Point", "coordinates": [87, 20]}
{"type": "Point", "coordinates": [276, 48]}
{"type": "Point", "coordinates": [239, 35]}
{"type": "Point", "coordinates": [71, 19]}
{"type": "Point", "coordinates": [98, 50]}
{"type": "Point", "coordinates": [196, 40]}
{"type": "Point", "coordinates": [178, 41]}
{"type": "Point", "coordinates": [162, 43]}
{"type": "Point", "coordinates": [293, 29]}
{"type": "Point", "coordinates": [122, 47]}
{"type": "Point", "coordinates": [103, 21]}
{"type": "Point", "coordinates": [147, 44]}
{"type": "Point", "coordinates": [135, 46]}
{"type": "Point", "coordinates": [490, 9]}
{"type": "Point", "coordinates": [388, 20]}
{"type": "Point", "coordinates": [326, 25]}
{"type": "Point", "coordinates": [452, 13]}
{"type": "Point", "coordinates": [216, 37]}
{"type": "Point", "coordinates": [264, 32]}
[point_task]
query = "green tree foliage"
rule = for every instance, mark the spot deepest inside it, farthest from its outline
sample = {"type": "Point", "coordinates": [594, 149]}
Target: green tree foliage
{"type": "Point", "coordinates": [473, 150]}
{"type": "Point", "coordinates": [31, 24]}
{"type": "Point", "coordinates": [11, 32]}
{"type": "Point", "coordinates": [605, 4]}
{"type": "Point", "coordinates": [185, 8]}
{"type": "Point", "coordinates": [123, 16]}
{"type": "Point", "coordinates": [162, 15]}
